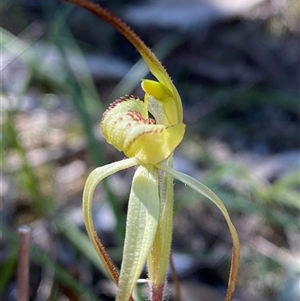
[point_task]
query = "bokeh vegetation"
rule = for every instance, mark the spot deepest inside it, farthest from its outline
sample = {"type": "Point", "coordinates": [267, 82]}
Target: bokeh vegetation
{"type": "Point", "coordinates": [239, 82]}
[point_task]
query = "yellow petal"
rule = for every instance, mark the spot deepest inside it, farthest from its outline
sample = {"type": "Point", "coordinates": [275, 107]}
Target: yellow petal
{"type": "Point", "coordinates": [141, 225]}
{"type": "Point", "coordinates": [126, 126]}
{"type": "Point", "coordinates": [162, 94]}
{"type": "Point", "coordinates": [156, 89]}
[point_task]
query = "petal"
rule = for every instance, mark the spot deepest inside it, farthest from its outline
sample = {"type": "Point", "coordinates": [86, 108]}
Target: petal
{"type": "Point", "coordinates": [205, 191]}
{"type": "Point", "coordinates": [162, 94]}
{"type": "Point", "coordinates": [141, 225]}
{"type": "Point", "coordinates": [92, 181]}
{"type": "Point", "coordinates": [126, 126]}
{"type": "Point", "coordinates": [153, 143]}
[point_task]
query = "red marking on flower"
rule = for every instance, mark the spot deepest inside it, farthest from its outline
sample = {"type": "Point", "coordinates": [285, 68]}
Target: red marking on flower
{"type": "Point", "coordinates": [137, 116]}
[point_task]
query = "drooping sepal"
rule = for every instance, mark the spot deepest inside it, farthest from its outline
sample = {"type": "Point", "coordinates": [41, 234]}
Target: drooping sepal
{"type": "Point", "coordinates": [96, 176]}
{"type": "Point", "coordinates": [205, 191]}
{"type": "Point", "coordinates": [141, 226]}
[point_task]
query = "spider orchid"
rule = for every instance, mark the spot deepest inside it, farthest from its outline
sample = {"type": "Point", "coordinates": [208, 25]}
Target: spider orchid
{"type": "Point", "coordinates": [147, 131]}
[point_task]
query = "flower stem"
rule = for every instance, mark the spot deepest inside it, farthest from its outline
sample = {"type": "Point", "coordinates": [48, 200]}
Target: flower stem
{"type": "Point", "coordinates": [158, 258]}
{"type": "Point", "coordinates": [157, 292]}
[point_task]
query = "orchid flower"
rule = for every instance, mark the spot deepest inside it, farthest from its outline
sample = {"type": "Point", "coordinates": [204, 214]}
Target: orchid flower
{"type": "Point", "coordinates": [147, 131]}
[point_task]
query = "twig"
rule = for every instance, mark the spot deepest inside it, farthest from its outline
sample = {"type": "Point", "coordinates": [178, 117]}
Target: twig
{"type": "Point", "coordinates": [175, 279]}
{"type": "Point", "coordinates": [23, 264]}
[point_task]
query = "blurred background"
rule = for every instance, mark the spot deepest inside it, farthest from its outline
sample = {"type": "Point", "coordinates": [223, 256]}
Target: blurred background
{"type": "Point", "coordinates": [236, 66]}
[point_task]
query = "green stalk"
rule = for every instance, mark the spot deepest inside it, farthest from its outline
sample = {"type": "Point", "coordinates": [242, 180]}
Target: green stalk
{"type": "Point", "coordinates": [158, 258]}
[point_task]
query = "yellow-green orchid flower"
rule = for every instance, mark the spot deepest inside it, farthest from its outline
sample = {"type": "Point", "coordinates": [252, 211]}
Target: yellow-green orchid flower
{"type": "Point", "coordinates": [148, 142]}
